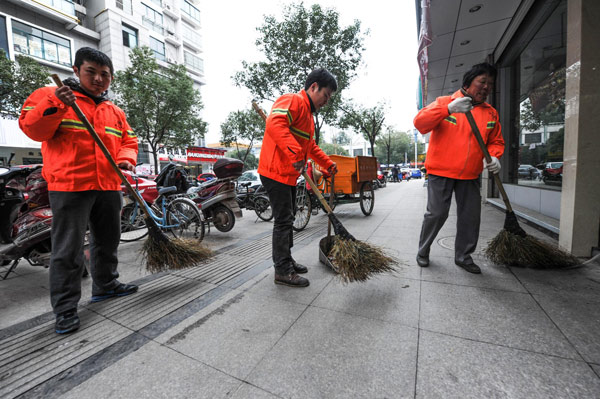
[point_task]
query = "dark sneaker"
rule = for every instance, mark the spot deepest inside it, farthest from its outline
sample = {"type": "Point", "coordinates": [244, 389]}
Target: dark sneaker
{"type": "Point", "coordinates": [469, 266]}
{"type": "Point", "coordinates": [292, 280]}
{"type": "Point", "coordinates": [422, 261]}
{"type": "Point", "coordinates": [120, 290]}
{"type": "Point", "coordinates": [66, 322]}
{"type": "Point", "coordinates": [298, 268]}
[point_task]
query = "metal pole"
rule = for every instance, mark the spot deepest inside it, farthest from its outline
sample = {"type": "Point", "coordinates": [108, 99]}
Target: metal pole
{"type": "Point", "coordinates": [415, 132]}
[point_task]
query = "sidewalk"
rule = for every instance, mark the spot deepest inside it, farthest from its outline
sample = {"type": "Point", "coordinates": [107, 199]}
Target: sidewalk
{"type": "Point", "coordinates": [225, 330]}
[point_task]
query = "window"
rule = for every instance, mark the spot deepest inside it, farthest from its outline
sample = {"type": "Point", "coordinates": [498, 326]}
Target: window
{"type": "Point", "coordinates": [158, 47]}
{"type": "Point", "coordinates": [41, 44]}
{"type": "Point", "coordinates": [191, 11]}
{"type": "Point", "coordinates": [193, 61]}
{"type": "Point", "coordinates": [190, 35]}
{"type": "Point", "coordinates": [541, 103]}
{"type": "Point", "coordinates": [153, 20]}
{"type": "Point", "coordinates": [65, 6]}
{"type": "Point", "coordinates": [3, 37]}
{"type": "Point", "coordinates": [125, 5]}
{"type": "Point", "coordinates": [129, 37]}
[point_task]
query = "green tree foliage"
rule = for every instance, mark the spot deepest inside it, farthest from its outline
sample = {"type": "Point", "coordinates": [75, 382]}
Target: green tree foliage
{"type": "Point", "coordinates": [161, 105]}
{"type": "Point", "coordinates": [17, 81]}
{"type": "Point", "coordinates": [306, 38]}
{"type": "Point", "coordinates": [333, 148]}
{"type": "Point", "coordinates": [400, 143]}
{"type": "Point", "coordinates": [242, 127]}
{"type": "Point", "coordinates": [365, 121]}
{"type": "Point", "coordinates": [250, 162]}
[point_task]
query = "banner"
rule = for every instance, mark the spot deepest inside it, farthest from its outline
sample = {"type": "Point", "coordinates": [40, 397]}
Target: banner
{"type": "Point", "coordinates": [424, 42]}
{"type": "Point", "coordinates": [203, 154]}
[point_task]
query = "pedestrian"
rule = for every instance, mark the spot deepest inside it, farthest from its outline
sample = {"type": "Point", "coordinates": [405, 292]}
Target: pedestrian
{"type": "Point", "coordinates": [83, 187]}
{"type": "Point", "coordinates": [287, 143]}
{"type": "Point", "coordinates": [395, 174]}
{"type": "Point", "coordinates": [454, 162]}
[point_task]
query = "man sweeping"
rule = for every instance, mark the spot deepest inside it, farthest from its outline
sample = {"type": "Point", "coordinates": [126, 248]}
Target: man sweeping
{"type": "Point", "coordinates": [83, 188]}
{"type": "Point", "coordinates": [287, 143]}
{"type": "Point", "coordinates": [455, 161]}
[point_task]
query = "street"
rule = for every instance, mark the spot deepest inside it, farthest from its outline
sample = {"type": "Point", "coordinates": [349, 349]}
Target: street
{"type": "Point", "coordinates": [225, 330]}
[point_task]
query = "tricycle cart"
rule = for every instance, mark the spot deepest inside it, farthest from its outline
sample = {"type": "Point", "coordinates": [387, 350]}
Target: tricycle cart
{"type": "Point", "coordinates": [353, 183]}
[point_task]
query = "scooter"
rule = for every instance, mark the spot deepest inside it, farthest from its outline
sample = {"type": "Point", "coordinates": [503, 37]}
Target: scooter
{"type": "Point", "coordinates": [216, 199]}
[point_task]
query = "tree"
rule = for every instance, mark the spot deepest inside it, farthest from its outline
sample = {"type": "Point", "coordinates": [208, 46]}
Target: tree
{"type": "Point", "coordinates": [385, 142]}
{"type": "Point", "coordinates": [302, 41]}
{"type": "Point", "coordinates": [365, 121]}
{"type": "Point", "coordinates": [242, 125]}
{"type": "Point", "coordinates": [17, 81]}
{"type": "Point", "coordinates": [251, 162]}
{"type": "Point", "coordinates": [333, 148]}
{"type": "Point", "coordinates": [161, 105]}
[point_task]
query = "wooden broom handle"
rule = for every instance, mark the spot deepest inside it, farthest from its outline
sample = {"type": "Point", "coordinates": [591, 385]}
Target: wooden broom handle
{"type": "Point", "coordinates": [98, 141]}
{"type": "Point", "coordinates": [488, 158]}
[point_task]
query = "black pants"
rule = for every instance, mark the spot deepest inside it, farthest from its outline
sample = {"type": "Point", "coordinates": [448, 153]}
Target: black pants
{"type": "Point", "coordinates": [72, 212]}
{"type": "Point", "coordinates": [283, 203]}
{"type": "Point", "coordinates": [468, 207]}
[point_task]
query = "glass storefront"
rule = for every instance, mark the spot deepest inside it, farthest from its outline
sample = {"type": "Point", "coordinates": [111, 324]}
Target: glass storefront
{"type": "Point", "coordinates": [541, 101]}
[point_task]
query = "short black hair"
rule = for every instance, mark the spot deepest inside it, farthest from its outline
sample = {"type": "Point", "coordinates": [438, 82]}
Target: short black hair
{"type": "Point", "coordinates": [476, 70]}
{"type": "Point", "coordinates": [92, 55]}
{"type": "Point", "coordinates": [322, 77]}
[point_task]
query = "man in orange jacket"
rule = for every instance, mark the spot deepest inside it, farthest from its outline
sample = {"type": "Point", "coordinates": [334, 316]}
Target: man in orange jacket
{"type": "Point", "coordinates": [287, 143]}
{"type": "Point", "coordinates": [83, 188]}
{"type": "Point", "coordinates": [455, 160]}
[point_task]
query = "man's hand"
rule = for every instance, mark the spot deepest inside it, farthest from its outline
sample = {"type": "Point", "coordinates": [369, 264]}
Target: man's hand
{"type": "Point", "coordinates": [332, 170]}
{"type": "Point", "coordinates": [127, 166]}
{"type": "Point", "coordinates": [65, 94]}
{"type": "Point", "coordinates": [461, 105]}
{"type": "Point", "coordinates": [493, 166]}
{"type": "Point", "coordinates": [299, 166]}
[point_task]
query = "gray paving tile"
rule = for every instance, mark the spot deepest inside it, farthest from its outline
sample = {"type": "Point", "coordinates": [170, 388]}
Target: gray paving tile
{"type": "Point", "coordinates": [451, 367]}
{"type": "Point", "coordinates": [156, 372]}
{"type": "Point", "coordinates": [384, 297]}
{"type": "Point", "coordinates": [578, 319]}
{"type": "Point", "coordinates": [22, 296]}
{"type": "Point", "coordinates": [334, 355]}
{"type": "Point", "coordinates": [500, 317]}
{"type": "Point", "coordinates": [583, 282]}
{"type": "Point", "coordinates": [248, 391]}
{"type": "Point", "coordinates": [443, 270]}
{"type": "Point", "coordinates": [596, 368]}
{"type": "Point", "coordinates": [235, 336]}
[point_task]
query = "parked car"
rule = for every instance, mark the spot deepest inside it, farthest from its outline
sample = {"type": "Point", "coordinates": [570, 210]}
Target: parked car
{"type": "Point", "coordinates": [528, 172]}
{"type": "Point", "coordinates": [250, 176]}
{"type": "Point", "coordinates": [552, 172]}
{"type": "Point", "coordinates": [415, 174]}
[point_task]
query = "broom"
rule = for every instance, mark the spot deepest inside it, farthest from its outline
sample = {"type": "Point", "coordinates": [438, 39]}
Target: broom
{"type": "Point", "coordinates": [355, 260]}
{"type": "Point", "coordinates": [160, 252]}
{"type": "Point", "coordinates": [512, 246]}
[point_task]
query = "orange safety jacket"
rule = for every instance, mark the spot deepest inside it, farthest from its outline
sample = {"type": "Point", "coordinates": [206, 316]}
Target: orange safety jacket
{"type": "Point", "coordinates": [453, 149]}
{"type": "Point", "coordinates": [72, 160]}
{"type": "Point", "coordinates": [289, 139]}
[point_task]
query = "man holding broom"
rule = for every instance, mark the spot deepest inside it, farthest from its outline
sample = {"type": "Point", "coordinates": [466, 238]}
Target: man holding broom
{"type": "Point", "coordinates": [287, 143]}
{"type": "Point", "coordinates": [454, 162]}
{"type": "Point", "coordinates": [83, 188]}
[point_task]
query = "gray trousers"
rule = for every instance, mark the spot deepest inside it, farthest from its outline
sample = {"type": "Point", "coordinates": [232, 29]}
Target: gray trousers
{"type": "Point", "coordinates": [468, 204]}
{"type": "Point", "coordinates": [71, 214]}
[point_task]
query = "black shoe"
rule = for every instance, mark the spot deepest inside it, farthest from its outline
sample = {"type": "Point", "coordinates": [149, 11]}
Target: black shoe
{"type": "Point", "coordinates": [469, 266]}
{"type": "Point", "coordinates": [292, 280]}
{"type": "Point", "coordinates": [423, 261]}
{"type": "Point", "coordinates": [120, 290]}
{"type": "Point", "coordinates": [298, 268]}
{"type": "Point", "coordinates": [66, 322]}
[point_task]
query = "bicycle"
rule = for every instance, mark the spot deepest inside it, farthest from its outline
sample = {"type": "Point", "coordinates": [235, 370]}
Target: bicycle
{"type": "Point", "coordinates": [307, 204]}
{"type": "Point", "coordinates": [255, 200]}
{"type": "Point", "coordinates": [173, 214]}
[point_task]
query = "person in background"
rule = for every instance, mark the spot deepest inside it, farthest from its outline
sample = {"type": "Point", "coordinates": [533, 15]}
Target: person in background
{"type": "Point", "coordinates": [83, 187]}
{"type": "Point", "coordinates": [455, 161]}
{"type": "Point", "coordinates": [287, 143]}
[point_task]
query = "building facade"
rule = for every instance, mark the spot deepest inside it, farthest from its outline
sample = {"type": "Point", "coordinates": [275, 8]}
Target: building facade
{"type": "Point", "coordinates": [51, 31]}
{"type": "Point", "coordinates": [546, 93]}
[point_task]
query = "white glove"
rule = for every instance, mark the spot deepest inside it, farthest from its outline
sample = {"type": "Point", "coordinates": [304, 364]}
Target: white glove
{"type": "Point", "coordinates": [493, 166]}
{"type": "Point", "coordinates": [461, 104]}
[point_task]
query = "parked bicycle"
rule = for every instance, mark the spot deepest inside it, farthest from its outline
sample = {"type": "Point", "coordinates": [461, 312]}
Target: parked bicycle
{"type": "Point", "coordinates": [254, 199]}
{"type": "Point", "coordinates": [174, 214]}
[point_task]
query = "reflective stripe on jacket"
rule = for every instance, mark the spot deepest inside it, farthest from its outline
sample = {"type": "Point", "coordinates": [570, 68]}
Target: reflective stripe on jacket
{"type": "Point", "coordinates": [453, 149]}
{"type": "Point", "coordinates": [289, 139]}
{"type": "Point", "coordinates": [72, 160]}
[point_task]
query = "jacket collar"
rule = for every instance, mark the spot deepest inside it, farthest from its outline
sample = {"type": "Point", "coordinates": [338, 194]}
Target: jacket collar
{"type": "Point", "coordinates": [75, 86]}
{"type": "Point", "coordinates": [307, 98]}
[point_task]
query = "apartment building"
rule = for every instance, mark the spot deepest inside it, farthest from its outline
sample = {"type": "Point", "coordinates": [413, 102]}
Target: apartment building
{"type": "Point", "coordinates": [51, 31]}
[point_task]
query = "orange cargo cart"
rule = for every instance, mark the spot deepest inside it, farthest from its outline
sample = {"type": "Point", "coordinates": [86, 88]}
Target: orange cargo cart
{"type": "Point", "coordinates": [353, 183]}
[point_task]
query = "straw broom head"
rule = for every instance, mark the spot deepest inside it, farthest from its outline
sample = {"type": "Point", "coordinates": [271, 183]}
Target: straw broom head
{"type": "Point", "coordinates": [358, 260]}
